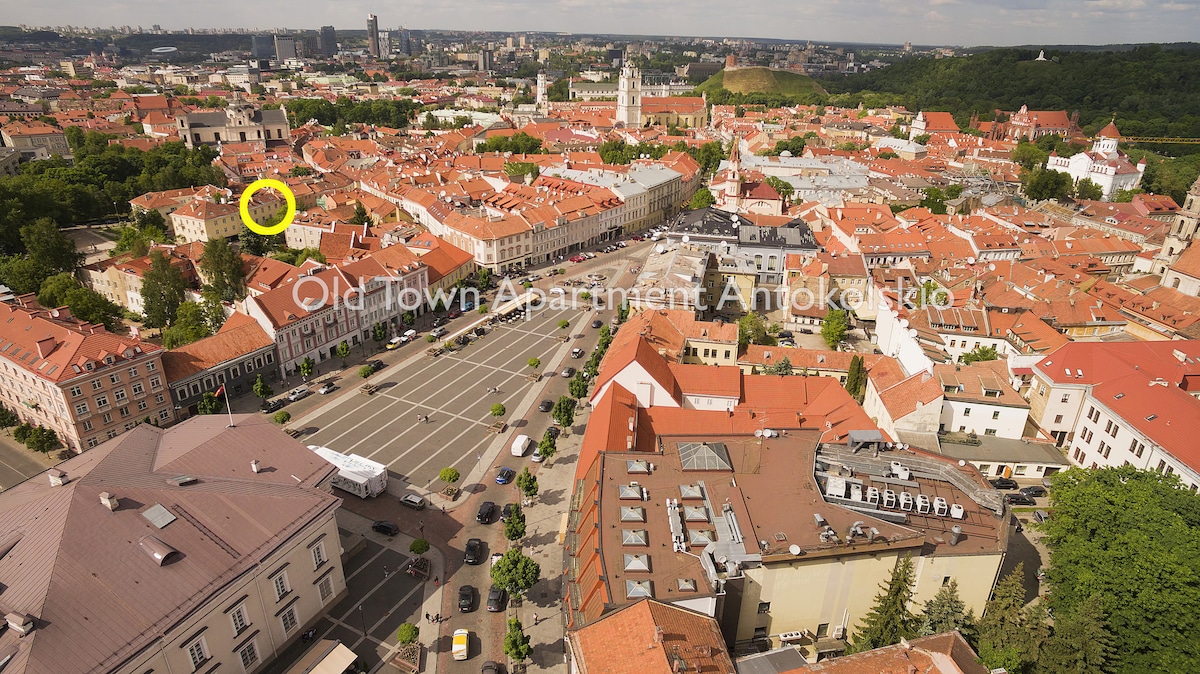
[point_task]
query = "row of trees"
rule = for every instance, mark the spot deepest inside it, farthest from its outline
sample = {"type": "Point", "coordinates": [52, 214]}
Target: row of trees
{"type": "Point", "coordinates": [396, 114]}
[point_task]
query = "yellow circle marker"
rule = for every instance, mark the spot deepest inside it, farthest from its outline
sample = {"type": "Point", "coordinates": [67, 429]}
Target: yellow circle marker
{"type": "Point", "coordinates": [278, 186]}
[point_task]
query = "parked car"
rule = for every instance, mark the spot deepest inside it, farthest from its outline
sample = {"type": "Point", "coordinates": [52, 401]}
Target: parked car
{"type": "Point", "coordinates": [298, 393]}
{"type": "Point", "coordinates": [577, 353]}
{"type": "Point", "coordinates": [440, 321]}
{"type": "Point", "coordinates": [1033, 491]}
{"type": "Point", "coordinates": [412, 501]}
{"type": "Point", "coordinates": [454, 313]}
{"type": "Point", "coordinates": [554, 432]}
{"type": "Point", "coordinates": [269, 406]}
{"type": "Point", "coordinates": [597, 323]}
{"type": "Point", "coordinates": [505, 475]}
{"type": "Point", "coordinates": [438, 333]}
{"type": "Point", "coordinates": [507, 511]}
{"type": "Point", "coordinates": [460, 644]}
{"type": "Point", "coordinates": [385, 527]}
{"type": "Point", "coordinates": [466, 598]}
{"type": "Point", "coordinates": [537, 457]}
{"type": "Point", "coordinates": [1003, 483]}
{"type": "Point", "coordinates": [497, 599]}
{"type": "Point", "coordinates": [545, 405]}
{"type": "Point", "coordinates": [394, 343]}
{"type": "Point", "coordinates": [486, 510]}
{"type": "Point", "coordinates": [1019, 499]}
{"type": "Point", "coordinates": [327, 388]}
{"type": "Point", "coordinates": [376, 365]}
{"type": "Point", "coordinates": [568, 372]}
{"type": "Point", "coordinates": [491, 667]}
{"type": "Point", "coordinates": [473, 554]}
{"type": "Point", "coordinates": [785, 334]}
{"type": "Point", "coordinates": [408, 336]}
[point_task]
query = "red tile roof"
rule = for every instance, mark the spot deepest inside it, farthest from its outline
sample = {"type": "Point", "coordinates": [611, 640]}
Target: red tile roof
{"type": "Point", "coordinates": [647, 638]}
{"type": "Point", "coordinates": [239, 336]}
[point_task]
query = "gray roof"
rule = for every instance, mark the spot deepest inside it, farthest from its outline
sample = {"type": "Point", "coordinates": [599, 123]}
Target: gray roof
{"type": "Point", "coordinates": [783, 659]}
{"type": "Point", "coordinates": [220, 119]}
{"type": "Point", "coordinates": [708, 222]}
{"type": "Point", "coordinates": [96, 596]}
{"type": "Point", "coordinates": [1004, 450]}
{"type": "Point", "coordinates": [795, 234]}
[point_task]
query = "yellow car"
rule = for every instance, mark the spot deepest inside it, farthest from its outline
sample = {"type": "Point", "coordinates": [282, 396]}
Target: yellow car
{"type": "Point", "coordinates": [458, 648]}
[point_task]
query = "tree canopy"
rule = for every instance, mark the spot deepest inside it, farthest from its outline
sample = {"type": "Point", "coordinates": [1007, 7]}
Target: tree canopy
{"type": "Point", "coordinates": [889, 620]}
{"type": "Point", "coordinates": [396, 114]}
{"type": "Point", "coordinates": [163, 287]}
{"type": "Point", "coordinates": [515, 572]}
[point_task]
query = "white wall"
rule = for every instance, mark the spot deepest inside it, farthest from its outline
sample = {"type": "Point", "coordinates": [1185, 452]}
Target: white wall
{"type": "Point", "coordinates": [1107, 440]}
{"type": "Point", "coordinates": [1007, 422]}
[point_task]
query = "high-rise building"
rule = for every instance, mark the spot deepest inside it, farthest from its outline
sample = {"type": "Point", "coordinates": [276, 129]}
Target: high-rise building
{"type": "Point", "coordinates": [405, 41]}
{"type": "Point", "coordinates": [485, 60]}
{"type": "Point", "coordinates": [328, 40]}
{"type": "Point", "coordinates": [262, 46]}
{"type": "Point", "coordinates": [373, 34]}
{"type": "Point", "coordinates": [285, 47]}
{"type": "Point", "coordinates": [385, 43]}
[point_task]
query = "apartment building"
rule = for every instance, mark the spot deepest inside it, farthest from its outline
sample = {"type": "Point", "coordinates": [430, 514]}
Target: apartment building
{"type": "Point", "coordinates": [151, 565]}
{"type": "Point", "coordinates": [36, 140]}
{"type": "Point", "coordinates": [86, 384]}
{"type": "Point", "coordinates": [120, 279]}
{"type": "Point", "coordinates": [232, 360]}
{"type": "Point", "coordinates": [202, 219]}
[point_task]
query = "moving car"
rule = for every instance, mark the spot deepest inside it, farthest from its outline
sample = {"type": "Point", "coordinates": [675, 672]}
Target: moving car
{"type": "Point", "coordinates": [269, 406]}
{"type": "Point", "coordinates": [458, 648]}
{"type": "Point", "coordinates": [327, 388]}
{"type": "Point", "coordinates": [385, 527]}
{"type": "Point", "coordinates": [544, 406]}
{"type": "Point", "coordinates": [505, 475]}
{"type": "Point", "coordinates": [1033, 491]}
{"type": "Point", "coordinates": [466, 598]}
{"type": "Point", "coordinates": [1003, 483]}
{"type": "Point", "coordinates": [1019, 499]}
{"type": "Point", "coordinates": [577, 353]}
{"type": "Point", "coordinates": [394, 343]}
{"type": "Point", "coordinates": [473, 554]}
{"type": "Point", "coordinates": [497, 599]}
{"type": "Point", "coordinates": [486, 509]}
{"type": "Point", "coordinates": [568, 372]}
{"type": "Point", "coordinates": [298, 393]}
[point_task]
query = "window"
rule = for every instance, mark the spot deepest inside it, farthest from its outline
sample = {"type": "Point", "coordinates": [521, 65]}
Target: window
{"type": "Point", "coordinates": [822, 630]}
{"type": "Point", "coordinates": [138, 389]}
{"type": "Point", "coordinates": [989, 431]}
{"type": "Point", "coordinates": [76, 391]}
{"type": "Point", "coordinates": [198, 652]}
{"type": "Point", "coordinates": [115, 378]}
{"type": "Point", "coordinates": [945, 581]}
{"type": "Point", "coordinates": [1115, 429]}
{"type": "Point", "coordinates": [240, 621]}
{"type": "Point", "coordinates": [142, 405]}
{"type": "Point", "coordinates": [1066, 398]}
{"type": "Point", "coordinates": [97, 384]}
{"type": "Point", "coordinates": [155, 383]}
{"type": "Point", "coordinates": [764, 607]}
{"type": "Point", "coordinates": [1058, 418]}
{"type": "Point", "coordinates": [326, 588]}
{"type": "Point", "coordinates": [318, 554]}
{"type": "Point", "coordinates": [249, 655]}
{"type": "Point", "coordinates": [133, 372]}
{"type": "Point", "coordinates": [124, 411]}
{"type": "Point", "coordinates": [984, 468]}
{"type": "Point", "coordinates": [1019, 470]}
{"type": "Point", "coordinates": [120, 394]}
{"type": "Point", "coordinates": [158, 398]}
{"type": "Point", "coordinates": [163, 415]}
{"type": "Point", "coordinates": [107, 417]}
{"type": "Point", "coordinates": [81, 409]}
{"type": "Point", "coordinates": [996, 414]}
{"type": "Point", "coordinates": [289, 620]}
{"type": "Point", "coordinates": [101, 401]}
{"type": "Point", "coordinates": [1108, 426]}
{"type": "Point", "coordinates": [87, 425]}
{"type": "Point", "coordinates": [282, 588]}
{"type": "Point", "coordinates": [966, 411]}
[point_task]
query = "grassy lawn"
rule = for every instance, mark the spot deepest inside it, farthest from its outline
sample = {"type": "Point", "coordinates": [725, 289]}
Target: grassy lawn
{"type": "Point", "coordinates": [765, 80]}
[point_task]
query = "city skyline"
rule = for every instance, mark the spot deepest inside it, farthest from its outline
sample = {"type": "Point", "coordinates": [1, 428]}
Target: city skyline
{"type": "Point", "coordinates": [934, 22]}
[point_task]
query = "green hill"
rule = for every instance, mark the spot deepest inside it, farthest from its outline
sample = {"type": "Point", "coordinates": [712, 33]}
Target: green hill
{"type": "Point", "coordinates": [762, 80]}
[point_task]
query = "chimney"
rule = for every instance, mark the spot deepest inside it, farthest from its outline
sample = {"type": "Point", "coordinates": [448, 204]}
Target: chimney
{"type": "Point", "coordinates": [955, 534]}
{"type": "Point", "coordinates": [57, 477]}
{"type": "Point", "coordinates": [254, 465]}
{"type": "Point", "coordinates": [109, 501]}
{"type": "Point", "coordinates": [21, 623]}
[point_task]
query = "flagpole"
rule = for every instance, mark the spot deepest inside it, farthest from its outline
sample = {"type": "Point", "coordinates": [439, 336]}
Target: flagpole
{"type": "Point", "coordinates": [228, 407]}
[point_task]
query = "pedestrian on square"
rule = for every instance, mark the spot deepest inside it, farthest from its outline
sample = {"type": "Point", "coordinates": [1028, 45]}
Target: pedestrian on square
{"type": "Point", "coordinates": [535, 619]}
{"type": "Point", "coordinates": [428, 619]}
{"type": "Point", "coordinates": [386, 573]}
{"type": "Point", "coordinates": [435, 581]}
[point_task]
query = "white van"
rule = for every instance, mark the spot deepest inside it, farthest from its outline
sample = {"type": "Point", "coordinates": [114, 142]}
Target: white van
{"type": "Point", "coordinates": [520, 445]}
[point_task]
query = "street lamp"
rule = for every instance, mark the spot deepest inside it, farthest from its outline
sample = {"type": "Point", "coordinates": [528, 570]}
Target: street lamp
{"type": "Point", "coordinates": [363, 618]}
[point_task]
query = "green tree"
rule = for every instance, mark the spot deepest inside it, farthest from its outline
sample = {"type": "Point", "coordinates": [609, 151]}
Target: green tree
{"type": "Point", "coordinates": [623, 311]}
{"type": "Point", "coordinates": [49, 247]}
{"type": "Point", "coordinates": [343, 350]}
{"type": "Point", "coordinates": [222, 266]}
{"type": "Point", "coordinates": [702, 198]}
{"type": "Point", "coordinates": [782, 187]}
{"type": "Point", "coordinates": [889, 620]}
{"type": "Point", "coordinates": [534, 363]}
{"type": "Point", "coordinates": [1004, 630]}
{"type": "Point", "coordinates": [1081, 642]}
{"type": "Point", "coordinates": [578, 386]}
{"type": "Point", "coordinates": [784, 367]}
{"type": "Point", "coordinates": [564, 324]}
{"type": "Point", "coordinates": [954, 191]}
{"type": "Point", "coordinates": [189, 326]}
{"type": "Point", "coordinates": [282, 417]}
{"type": "Point", "coordinates": [834, 327]}
{"type": "Point", "coordinates": [547, 446]}
{"type": "Point", "coordinates": [1087, 190]}
{"type": "Point", "coordinates": [163, 287]}
{"type": "Point", "coordinates": [514, 526]}
{"type": "Point", "coordinates": [361, 217]}
{"type": "Point", "coordinates": [22, 274]}
{"type": "Point", "coordinates": [922, 139]}
{"type": "Point", "coordinates": [930, 293]}
{"type": "Point", "coordinates": [498, 410]}
{"type": "Point", "coordinates": [307, 366]}
{"type": "Point", "coordinates": [407, 634]}
{"type": "Point", "coordinates": [856, 378]}
{"type": "Point", "coordinates": [934, 200]}
{"type": "Point", "coordinates": [448, 475]}
{"type": "Point", "coordinates": [980, 353]}
{"type": "Point", "coordinates": [564, 411]}
{"type": "Point", "coordinates": [484, 276]}
{"type": "Point", "coordinates": [379, 332]}
{"type": "Point", "coordinates": [366, 371]}
{"type": "Point", "coordinates": [262, 389]}
{"type": "Point", "coordinates": [1125, 196]}
{"type": "Point", "coordinates": [8, 418]}
{"type": "Point", "coordinates": [213, 311]}
{"type": "Point", "coordinates": [753, 330]}
{"type": "Point", "coordinates": [209, 403]}
{"type": "Point", "coordinates": [1029, 156]}
{"type": "Point", "coordinates": [527, 483]}
{"type": "Point", "coordinates": [516, 642]}
{"type": "Point", "coordinates": [515, 572]}
{"type": "Point", "coordinates": [253, 243]}
{"type": "Point", "coordinates": [419, 546]}
{"type": "Point", "coordinates": [945, 612]}
{"type": "Point", "coordinates": [65, 290]}
{"type": "Point", "coordinates": [42, 440]}
{"type": "Point", "coordinates": [21, 434]}
{"type": "Point", "coordinates": [300, 170]}
{"type": "Point", "coordinates": [1041, 184]}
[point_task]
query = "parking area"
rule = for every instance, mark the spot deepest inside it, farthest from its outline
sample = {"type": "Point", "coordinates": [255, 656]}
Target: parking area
{"type": "Point", "coordinates": [451, 391]}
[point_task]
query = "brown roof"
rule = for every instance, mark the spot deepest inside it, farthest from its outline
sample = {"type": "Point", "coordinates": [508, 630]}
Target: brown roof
{"type": "Point", "coordinates": [903, 397]}
{"type": "Point", "coordinates": [96, 597]}
{"type": "Point", "coordinates": [241, 335]}
{"type": "Point", "coordinates": [647, 638]}
{"type": "Point", "coordinates": [947, 653]}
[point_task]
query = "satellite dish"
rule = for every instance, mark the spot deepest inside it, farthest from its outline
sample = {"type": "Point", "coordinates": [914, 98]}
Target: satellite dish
{"type": "Point", "coordinates": [660, 249]}
{"type": "Point", "coordinates": [912, 333]}
{"type": "Point", "coordinates": [961, 463]}
{"type": "Point", "coordinates": [758, 433]}
{"type": "Point", "coordinates": [904, 322]}
{"type": "Point", "coordinates": [992, 267]}
{"type": "Point", "coordinates": [970, 260]}
{"type": "Point", "coordinates": [794, 549]}
{"type": "Point", "coordinates": [685, 238]}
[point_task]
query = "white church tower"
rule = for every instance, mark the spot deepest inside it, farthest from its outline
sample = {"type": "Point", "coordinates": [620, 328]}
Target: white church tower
{"type": "Point", "coordinates": [629, 97]}
{"type": "Point", "coordinates": [541, 88]}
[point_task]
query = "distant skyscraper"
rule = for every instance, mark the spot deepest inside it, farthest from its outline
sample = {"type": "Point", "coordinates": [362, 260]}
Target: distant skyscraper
{"type": "Point", "coordinates": [405, 41]}
{"type": "Point", "coordinates": [385, 43]}
{"type": "Point", "coordinates": [262, 46]}
{"type": "Point", "coordinates": [328, 41]}
{"type": "Point", "coordinates": [285, 47]}
{"type": "Point", "coordinates": [373, 34]}
{"type": "Point", "coordinates": [485, 60]}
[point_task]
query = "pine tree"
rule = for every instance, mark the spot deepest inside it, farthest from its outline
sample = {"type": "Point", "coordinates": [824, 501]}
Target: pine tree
{"type": "Point", "coordinates": [1081, 642]}
{"type": "Point", "coordinates": [856, 378]}
{"type": "Point", "coordinates": [945, 612]}
{"type": "Point", "coordinates": [1009, 635]}
{"type": "Point", "coordinates": [889, 620]}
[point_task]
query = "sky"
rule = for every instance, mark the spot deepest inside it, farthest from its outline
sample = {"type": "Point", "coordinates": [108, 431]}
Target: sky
{"type": "Point", "coordinates": [931, 22]}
